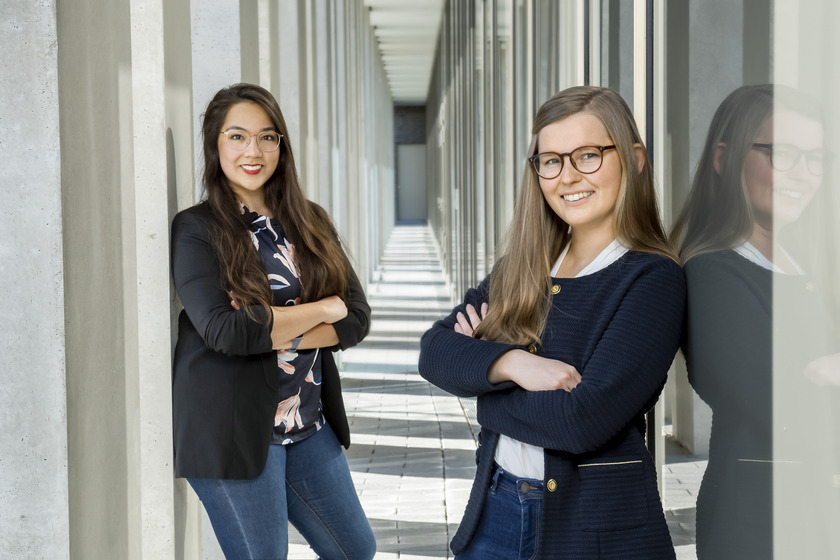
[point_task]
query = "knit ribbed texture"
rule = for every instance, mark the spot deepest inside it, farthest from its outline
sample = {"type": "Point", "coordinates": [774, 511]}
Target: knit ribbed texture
{"type": "Point", "coordinates": [620, 327]}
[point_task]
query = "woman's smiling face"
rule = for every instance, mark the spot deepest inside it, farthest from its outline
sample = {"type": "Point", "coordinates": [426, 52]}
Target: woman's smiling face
{"type": "Point", "coordinates": [782, 195]}
{"type": "Point", "coordinates": [247, 170]}
{"type": "Point", "coordinates": [585, 201]}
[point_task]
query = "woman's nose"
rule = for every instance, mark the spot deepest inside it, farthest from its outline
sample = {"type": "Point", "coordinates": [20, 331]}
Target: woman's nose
{"type": "Point", "coordinates": [569, 173]}
{"type": "Point", "coordinates": [253, 147]}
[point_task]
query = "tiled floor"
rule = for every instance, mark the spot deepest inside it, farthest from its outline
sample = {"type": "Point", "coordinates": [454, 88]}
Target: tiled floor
{"type": "Point", "coordinates": [412, 456]}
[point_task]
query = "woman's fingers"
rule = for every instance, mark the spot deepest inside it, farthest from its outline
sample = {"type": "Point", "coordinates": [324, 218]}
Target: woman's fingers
{"type": "Point", "coordinates": [464, 324]}
{"type": "Point", "coordinates": [475, 320]}
{"type": "Point", "coordinates": [467, 323]}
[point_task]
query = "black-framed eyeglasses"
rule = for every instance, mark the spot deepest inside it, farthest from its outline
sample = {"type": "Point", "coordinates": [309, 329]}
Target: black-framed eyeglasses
{"type": "Point", "coordinates": [784, 157]}
{"type": "Point", "coordinates": [239, 140]}
{"type": "Point", "coordinates": [586, 159]}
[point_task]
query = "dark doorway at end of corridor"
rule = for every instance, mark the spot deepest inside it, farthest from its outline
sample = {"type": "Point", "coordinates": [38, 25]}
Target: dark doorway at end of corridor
{"type": "Point", "coordinates": [410, 164]}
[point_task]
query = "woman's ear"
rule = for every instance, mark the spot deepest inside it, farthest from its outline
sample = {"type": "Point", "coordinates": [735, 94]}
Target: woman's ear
{"type": "Point", "coordinates": [641, 156]}
{"type": "Point", "coordinates": [717, 157]}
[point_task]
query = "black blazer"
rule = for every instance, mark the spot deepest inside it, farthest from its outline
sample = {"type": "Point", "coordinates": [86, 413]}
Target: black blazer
{"type": "Point", "coordinates": [225, 380]}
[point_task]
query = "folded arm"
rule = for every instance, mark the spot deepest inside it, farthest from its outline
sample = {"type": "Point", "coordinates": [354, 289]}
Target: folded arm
{"type": "Point", "coordinates": [619, 381]}
{"type": "Point", "coordinates": [456, 363]}
{"type": "Point", "coordinates": [225, 328]}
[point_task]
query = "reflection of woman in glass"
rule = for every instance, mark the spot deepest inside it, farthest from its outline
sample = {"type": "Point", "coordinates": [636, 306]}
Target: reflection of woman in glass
{"type": "Point", "coordinates": [583, 318]}
{"type": "Point", "coordinates": [268, 293]}
{"type": "Point", "coordinates": [758, 172]}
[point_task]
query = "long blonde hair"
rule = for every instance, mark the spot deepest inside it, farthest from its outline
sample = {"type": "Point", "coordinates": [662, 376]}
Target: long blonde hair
{"type": "Point", "coordinates": [521, 279]}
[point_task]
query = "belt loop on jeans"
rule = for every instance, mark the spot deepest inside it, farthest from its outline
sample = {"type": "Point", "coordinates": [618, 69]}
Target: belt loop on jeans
{"type": "Point", "coordinates": [497, 472]}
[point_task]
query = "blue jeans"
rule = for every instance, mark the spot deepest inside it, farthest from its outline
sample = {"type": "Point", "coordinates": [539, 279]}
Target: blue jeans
{"type": "Point", "coordinates": [509, 528]}
{"type": "Point", "coordinates": [306, 483]}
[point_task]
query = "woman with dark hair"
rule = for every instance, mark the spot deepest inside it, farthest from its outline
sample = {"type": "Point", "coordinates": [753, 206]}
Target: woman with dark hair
{"type": "Point", "coordinates": [754, 323]}
{"type": "Point", "coordinates": [268, 294]}
{"type": "Point", "coordinates": [567, 346]}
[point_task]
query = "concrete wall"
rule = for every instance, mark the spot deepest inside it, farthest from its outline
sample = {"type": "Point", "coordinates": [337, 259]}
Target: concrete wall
{"type": "Point", "coordinates": [34, 517]}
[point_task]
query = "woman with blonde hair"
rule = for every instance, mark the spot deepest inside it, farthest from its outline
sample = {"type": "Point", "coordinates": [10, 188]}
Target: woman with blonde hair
{"type": "Point", "coordinates": [567, 345]}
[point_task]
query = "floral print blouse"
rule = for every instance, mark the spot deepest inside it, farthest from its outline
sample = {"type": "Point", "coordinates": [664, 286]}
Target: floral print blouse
{"type": "Point", "coordinates": [299, 409]}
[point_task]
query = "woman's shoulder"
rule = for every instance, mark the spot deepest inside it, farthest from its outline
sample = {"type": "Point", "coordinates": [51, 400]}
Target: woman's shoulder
{"type": "Point", "coordinates": [717, 262]}
{"type": "Point", "coordinates": [648, 262]}
{"type": "Point", "coordinates": [727, 271]}
{"type": "Point", "coordinates": [197, 215]}
{"type": "Point", "coordinates": [200, 211]}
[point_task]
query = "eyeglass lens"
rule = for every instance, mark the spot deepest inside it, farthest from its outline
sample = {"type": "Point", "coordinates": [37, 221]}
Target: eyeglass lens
{"type": "Point", "coordinates": [586, 159]}
{"type": "Point", "coordinates": [268, 141]}
{"type": "Point", "coordinates": [784, 157]}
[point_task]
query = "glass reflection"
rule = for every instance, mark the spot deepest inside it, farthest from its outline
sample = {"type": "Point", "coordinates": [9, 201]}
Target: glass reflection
{"type": "Point", "coordinates": [763, 379]}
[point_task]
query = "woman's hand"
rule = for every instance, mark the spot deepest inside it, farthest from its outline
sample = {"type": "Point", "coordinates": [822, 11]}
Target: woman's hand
{"type": "Point", "coordinates": [334, 309]}
{"type": "Point", "coordinates": [467, 324]}
{"type": "Point", "coordinates": [533, 373]}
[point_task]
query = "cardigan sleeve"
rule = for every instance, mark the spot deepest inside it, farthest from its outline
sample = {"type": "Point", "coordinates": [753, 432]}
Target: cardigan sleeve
{"type": "Point", "coordinates": [356, 325]}
{"type": "Point", "coordinates": [198, 281]}
{"type": "Point", "coordinates": [619, 382]}
{"type": "Point", "coordinates": [457, 363]}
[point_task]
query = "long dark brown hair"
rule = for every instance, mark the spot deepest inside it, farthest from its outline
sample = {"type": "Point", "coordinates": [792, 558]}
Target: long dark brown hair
{"type": "Point", "coordinates": [521, 279]}
{"type": "Point", "coordinates": [319, 258]}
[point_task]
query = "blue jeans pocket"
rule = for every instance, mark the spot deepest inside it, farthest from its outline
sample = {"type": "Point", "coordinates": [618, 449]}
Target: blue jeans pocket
{"type": "Point", "coordinates": [613, 494]}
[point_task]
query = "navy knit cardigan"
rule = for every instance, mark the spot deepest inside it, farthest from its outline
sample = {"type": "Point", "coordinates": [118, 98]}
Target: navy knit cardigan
{"type": "Point", "coordinates": [620, 327]}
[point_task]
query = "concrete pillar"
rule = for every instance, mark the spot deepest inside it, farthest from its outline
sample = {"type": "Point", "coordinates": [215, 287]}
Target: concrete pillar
{"type": "Point", "coordinates": [216, 59]}
{"type": "Point", "coordinates": [96, 162]}
{"type": "Point", "coordinates": [321, 89]}
{"type": "Point", "coordinates": [146, 292]}
{"type": "Point", "coordinates": [250, 28]}
{"type": "Point", "coordinates": [34, 520]}
{"type": "Point", "coordinates": [115, 209]}
{"type": "Point", "coordinates": [288, 88]}
{"type": "Point", "coordinates": [180, 182]}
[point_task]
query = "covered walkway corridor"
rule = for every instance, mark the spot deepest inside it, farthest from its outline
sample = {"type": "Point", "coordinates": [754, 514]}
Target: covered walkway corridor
{"type": "Point", "coordinates": [410, 123]}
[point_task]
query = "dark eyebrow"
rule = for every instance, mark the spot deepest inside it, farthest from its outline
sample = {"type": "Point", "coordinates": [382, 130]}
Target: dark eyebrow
{"type": "Point", "coordinates": [237, 127]}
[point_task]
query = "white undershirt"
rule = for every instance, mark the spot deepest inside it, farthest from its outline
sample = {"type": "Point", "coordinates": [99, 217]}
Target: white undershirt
{"type": "Point", "coordinates": [524, 460]}
{"type": "Point", "coordinates": [749, 252]}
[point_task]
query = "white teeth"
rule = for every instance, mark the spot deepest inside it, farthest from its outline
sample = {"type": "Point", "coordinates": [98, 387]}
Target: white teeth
{"type": "Point", "coordinates": [796, 195]}
{"type": "Point", "coordinates": [251, 167]}
{"type": "Point", "coordinates": [576, 196]}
